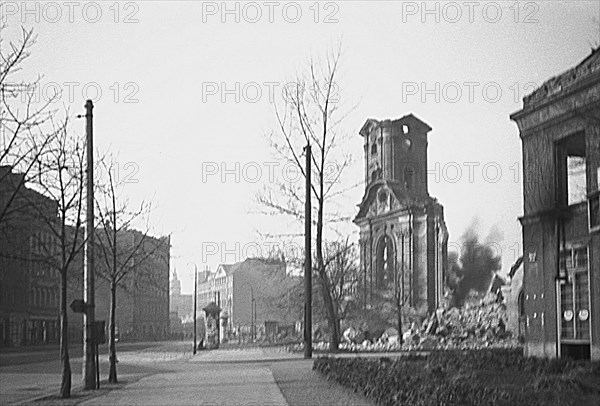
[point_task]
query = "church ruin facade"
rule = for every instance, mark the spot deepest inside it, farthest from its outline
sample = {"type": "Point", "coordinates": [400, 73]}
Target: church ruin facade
{"type": "Point", "coordinates": [403, 236]}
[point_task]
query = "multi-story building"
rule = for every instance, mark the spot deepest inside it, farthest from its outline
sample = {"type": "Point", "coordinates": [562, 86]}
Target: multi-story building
{"type": "Point", "coordinates": [30, 279]}
{"type": "Point", "coordinates": [248, 293]}
{"type": "Point", "coordinates": [143, 295]}
{"type": "Point", "coordinates": [29, 285]}
{"type": "Point", "coordinates": [403, 236]}
{"type": "Point", "coordinates": [559, 127]}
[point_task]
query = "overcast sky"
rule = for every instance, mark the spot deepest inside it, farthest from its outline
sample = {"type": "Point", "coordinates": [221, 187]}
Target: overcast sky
{"type": "Point", "coordinates": [186, 88]}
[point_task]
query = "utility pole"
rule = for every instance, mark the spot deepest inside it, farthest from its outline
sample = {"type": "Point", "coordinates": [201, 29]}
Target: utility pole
{"type": "Point", "coordinates": [253, 319]}
{"type": "Point", "coordinates": [89, 333]}
{"type": "Point", "coordinates": [252, 323]}
{"type": "Point", "coordinates": [219, 317]}
{"type": "Point", "coordinates": [195, 306]}
{"type": "Point", "coordinates": [307, 261]}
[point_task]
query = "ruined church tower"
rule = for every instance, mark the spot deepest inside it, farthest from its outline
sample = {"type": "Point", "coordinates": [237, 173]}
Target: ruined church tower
{"type": "Point", "coordinates": [403, 236]}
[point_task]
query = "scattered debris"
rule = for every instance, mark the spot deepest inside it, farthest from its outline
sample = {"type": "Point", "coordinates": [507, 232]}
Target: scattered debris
{"type": "Point", "coordinates": [479, 324]}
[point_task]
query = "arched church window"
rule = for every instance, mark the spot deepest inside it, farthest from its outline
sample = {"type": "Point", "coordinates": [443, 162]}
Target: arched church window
{"type": "Point", "coordinates": [406, 144]}
{"type": "Point", "coordinates": [385, 263]}
{"type": "Point", "coordinates": [376, 174]}
{"type": "Point", "coordinates": [383, 196]}
{"type": "Point", "coordinates": [374, 148]}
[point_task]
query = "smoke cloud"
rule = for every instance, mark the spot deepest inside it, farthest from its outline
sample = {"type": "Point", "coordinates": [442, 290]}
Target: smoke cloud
{"type": "Point", "coordinates": [473, 268]}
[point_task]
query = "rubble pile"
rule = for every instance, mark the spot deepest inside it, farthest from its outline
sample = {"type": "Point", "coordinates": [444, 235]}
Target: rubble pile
{"type": "Point", "coordinates": [476, 325]}
{"type": "Point", "coordinates": [473, 326]}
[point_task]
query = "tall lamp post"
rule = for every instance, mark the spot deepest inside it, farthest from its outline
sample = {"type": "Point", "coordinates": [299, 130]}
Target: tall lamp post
{"type": "Point", "coordinates": [253, 318]}
{"type": "Point", "coordinates": [252, 311]}
{"type": "Point", "coordinates": [89, 333]}
{"type": "Point", "coordinates": [195, 307]}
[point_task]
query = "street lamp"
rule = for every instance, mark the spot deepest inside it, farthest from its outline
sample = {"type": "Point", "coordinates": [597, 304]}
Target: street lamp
{"type": "Point", "coordinates": [253, 319]}
{"type": "Point", "coordinates": [90, 371]}
{"type": "Point", "coordinates": [195, 304]}
{"type": "Point", "coordinates": [252, 311]}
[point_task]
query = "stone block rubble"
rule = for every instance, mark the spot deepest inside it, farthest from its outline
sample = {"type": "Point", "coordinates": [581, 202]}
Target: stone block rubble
{"type": "Point", "coordinates": [478, 325]}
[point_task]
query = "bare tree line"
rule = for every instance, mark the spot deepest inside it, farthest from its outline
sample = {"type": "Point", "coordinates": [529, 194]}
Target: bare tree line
{"type": "Point", "coordinates": [43, 179]}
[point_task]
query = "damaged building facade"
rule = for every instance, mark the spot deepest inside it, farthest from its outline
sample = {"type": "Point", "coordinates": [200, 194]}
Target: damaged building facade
{"type": "Point", "coordinates": [559, 127]}
{"type": "Point", "coordinates": [403, 236]}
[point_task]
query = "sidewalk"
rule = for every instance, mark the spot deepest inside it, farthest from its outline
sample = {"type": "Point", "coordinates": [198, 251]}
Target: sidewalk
{"type": "Point", "coordinates": [244, 355]}
{"type": "Point", "coordinates": [209, 378]}
{"type": "Point", "coordinates": [249, 377]}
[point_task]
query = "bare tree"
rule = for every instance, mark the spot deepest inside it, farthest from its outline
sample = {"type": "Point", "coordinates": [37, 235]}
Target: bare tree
{"type": "Point", "coordinates": [26, 124]}
{"type": "Point", "coordinates": [120, 258]}
{"type": "Point", "coordinates": [340, 261]}
{"type": "Point", "coordinates": [388, 303]}
{"type": "Point", "coordinates": [38, 148]}
{"type": "Point", "coordinates": [310, 113]}
{"type": "Point", "coordinates": [344, 273]}
{"type": "Point", "coordinates": [61, 179]}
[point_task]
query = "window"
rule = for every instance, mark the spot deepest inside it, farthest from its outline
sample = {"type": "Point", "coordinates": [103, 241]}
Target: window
{"type": "Point", "coordinates": [574, 295]}
{"type": "Point", "coordinates": [573, 259]}
{"type": "Point", "coordinates": [375, 175]}
{"type": "Point", "coordinates": [409, 178]}
{"type": "Point", "coordinates": [374, 149]}
{"type": "Point", "coordinates": [576, 188]}
{"type": "Point", "coordinates": [571, 170]}
{"type": "Point", "coordinates": [594, 204]}
{"type": "Point", "coordinates": [594, 211]}
{"type": "Point", "coordinates": [580, 257]}
{"type": "Point", "coordinates": [385, 263]}
{"type": "Point", "coordinates": [383, 196]}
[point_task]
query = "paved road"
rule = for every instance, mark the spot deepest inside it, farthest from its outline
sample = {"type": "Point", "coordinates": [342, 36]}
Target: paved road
{"type": "Point", "coordinates": [167, 373]}
{"type": "Point", "coordinates": [33, 374]}
{"type": "Point", "coordinates": [28, 355]}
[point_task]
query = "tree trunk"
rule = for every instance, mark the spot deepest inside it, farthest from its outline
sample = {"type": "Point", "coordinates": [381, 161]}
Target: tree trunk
{"type": "Point", "coordinates": [399, 322]}
{"type": "Point", "coordinates": [65, 387]}
{"type": "Point", "coordinates": [332, 318]}
{"type": "Point", "coordinates": [112, 350]}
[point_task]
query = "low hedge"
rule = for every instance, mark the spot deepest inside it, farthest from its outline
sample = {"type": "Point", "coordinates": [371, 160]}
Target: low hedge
{"type": "Point", "coordinates": [478, 377]}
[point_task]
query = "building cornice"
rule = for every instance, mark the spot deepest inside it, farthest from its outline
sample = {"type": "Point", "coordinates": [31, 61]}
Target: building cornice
{"type": "Point", "coordinates": [530, 107]}
{"type": "Point", "coordinates": [554, 213]}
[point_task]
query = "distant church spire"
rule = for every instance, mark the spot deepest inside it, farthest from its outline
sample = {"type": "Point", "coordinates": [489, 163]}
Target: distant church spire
{"type": "Point", "coordinates": [175, 284]}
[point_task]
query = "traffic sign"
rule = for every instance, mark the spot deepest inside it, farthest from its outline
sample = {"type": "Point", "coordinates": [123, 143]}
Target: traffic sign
{"type": "Point", "coordinates": [79, 306]}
